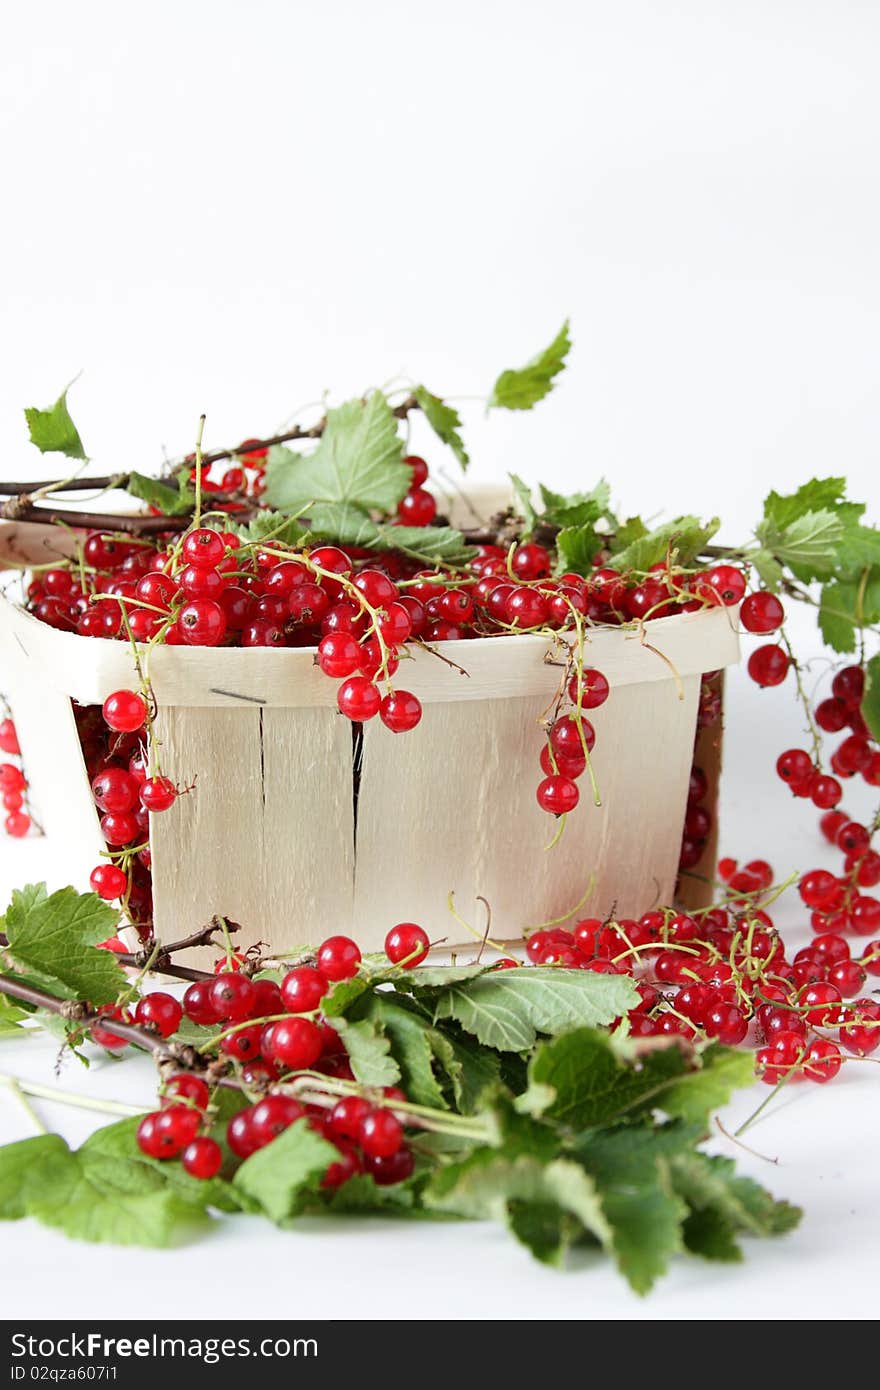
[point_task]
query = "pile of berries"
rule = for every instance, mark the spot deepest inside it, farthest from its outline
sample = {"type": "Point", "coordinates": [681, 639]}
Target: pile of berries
{"type": "Point", "coordinates": [723, 975]}
{"type": "Point", "coordinates": [13, 783]}
{"type": "Point", "coordinates": [271, 1033]}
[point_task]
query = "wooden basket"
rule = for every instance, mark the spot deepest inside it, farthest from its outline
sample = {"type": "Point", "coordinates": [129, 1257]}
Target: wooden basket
{"type": "Point", "coordinates": [273, 835]}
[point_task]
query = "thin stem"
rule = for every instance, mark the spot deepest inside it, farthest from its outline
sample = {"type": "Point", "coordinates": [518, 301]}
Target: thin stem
{"type": "Point", "coordinates": [77, 1102]}
{"type": "Point", "coordinates": [18, 1090]}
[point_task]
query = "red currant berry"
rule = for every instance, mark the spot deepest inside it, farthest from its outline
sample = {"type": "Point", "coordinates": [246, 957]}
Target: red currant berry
{"type": "Point", "coordinates": [794, 766]}
{"type": "Point", "coordinates": [524, 608]}
{"type": "Point", "coordinates": [825, 792]}
{"type": "Point", "coordinates": [203, 1158]}
{"type": "Point", "coordinates": [417, 507]}
{"type": "Point", "coordinates": [530, 561]}
{"type": "Point", "coordinates": [114, 790]}
{"type": "Point", "coordinates": [407, 944]}
{"type": "Point", "coordinates": [832, 715]}
{"type": "Point", "coordinates": [396, 1168]}
{"type": "Point", "coordinates": [302, 989]}
{"type": "Point", "coordinates": [376, 587]}
{"type": "Point", "coordinates": [592, 687]}
{"type": "Point", "coordinates": [865, 915]}
{"type": "Point", "coordinates": [232, 996]}
{"type": "Point", "coordinates": [202, 623]}
{"type": "Point", "coordinates": [822, 1061]}
{"type": "Point", "coordinates": [400, 711]}
{"type": "Point", "coordinates": [239, 1134]}
{"type": "Point", "coordinates": [124, 711]}
{"type": "Point", "coordinates": [768, 665]}
{"type": "Point", "coordinates": [380, 1134]}
{"type": "Point", "coordinates": [108, 881]}
{"type": "Point", "coordinates": [161, 1010]}
{"type": "Point", "coordinates": [358, 699]}
{"type": "Point", "coordinates": [727, 582]}
{"type": "Point", "coordinates": [296, 1043]}
{"type": "Point", "coordinates": [158, 794]}
{"type": "Point", "coordinates": [557, 795]}
{"type": "Point", "coordinates": [185, 1086]}
{"type": "Point", "coordinates": [197, 1004]}
{"type": "Point", "coordinates": [849, 686]}
{"type": "Point", "coordinates": [204, 548]}
{"type": "Point", "coordinates": [338, 958]}
{"type": "Point", "coordinates": [346, 1116]}
{"type": "Point", "coordinates": [761, 613]}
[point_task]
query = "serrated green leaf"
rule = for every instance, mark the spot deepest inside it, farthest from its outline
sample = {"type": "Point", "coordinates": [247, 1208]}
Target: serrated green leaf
{"type": "Point", "coordinates": [433, 977]}
{"type": "Point", "coordinates": [369, 1052]}
{"type": "Point", "coordinates": [627, 533]}
{"type": "Point", "coordinates": [526, 505]}
{"type": "Point", "coordinates": [444, 421]}
{"type": "Point", "coordinates": [358, 460]}
{"type": "Point", "coordinates": [694, 1095]}
{"type": "Point", "coordinates": [808, 545]}
{"type": "Point", "coordinates": [171, 501]}
{"type": "Point", "coordinates": [837, 615]}
{"type": "Point", "coordinates": [411, 1048]}
{"type": "Point", "coordinates": [509, 1008]}
{"type": "Point", "coordinates": [27, 1166]}
{"type": "Point", "coordinates": [347, 524]}
{"type": "Point", "coordinates": [819, 494]}
{"type": "Point", "coordinates": [523, 387]}
{"type": "Point", "coordinates": [685, 537]}
{"type": "Point", "coordinates": [119, 1141]}
{"type": "Point", "coordinates": [53, 430]}
{"type": "Point", "coordinates": [105, 1197]}
{"type": "Point", "coordinates": [361, 1194]}
{"type": "Point", "coordinates": [11, 1018]}
{"type": "Point", "coordinates": [577, 508]}
{"type": "Point", "coordinates": [767, 567]}
{"type": "Point", "coordinates": [340, 997]}
{"type": "Point", "coordinates": [54, 938]}
{"type": "Point", "coordinates": [712, 1184]}
{"type": "Point", "coordinates": [709, 1234]}
{"type": "Point", "coordinates": [576, 548]}
{"type": "Point", "coordinates": [268, 525]}
{"type": "Point", "coordinates": [472, 1070]}
{"type": "Point", "coordinates": [485, 1183]}
{"type": "Point", "coordinates": [280, 1175]}
{"type": "Point", "coordinates": [871, 699]}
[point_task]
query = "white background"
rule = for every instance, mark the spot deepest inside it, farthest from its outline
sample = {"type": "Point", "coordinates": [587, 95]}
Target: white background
{"type": "Point", "coordinates": [232, 208]}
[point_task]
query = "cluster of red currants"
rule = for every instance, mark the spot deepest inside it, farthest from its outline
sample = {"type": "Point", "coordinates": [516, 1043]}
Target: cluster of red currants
{"type": "Point", "coordinates": [13, 783]}
{"type": "Point", "coordinates": [570, 741]}
{"type": "Point", "coordinates": [722, 974]}
{"type": "Point", "coordinates": [274, 1031]}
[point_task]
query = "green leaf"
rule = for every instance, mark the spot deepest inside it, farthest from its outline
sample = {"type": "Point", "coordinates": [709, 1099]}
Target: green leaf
{"type": "Point", "coordinates": [709, 1234]}
{"type": "Point", "coordinates": [819, 494]}
{"type": "Point", "coordinates": [486, 1183]}
{"type": "Point", "coordinates": [92, 1195]}
{"type": "Point", "coordinates": [871, 700]}
{"type": "Point", "coordinates": [472, 1070]}
{"type": "Point", "coordinates": [53, 431]}
{"type": "Point", "coordinates": [369, 1052]}
{"type": "Point", "coordinates": [280, 1175]}
{"type": "Point", "coordinates": [808, 544]}
{"type": "Point", "coordinates": [53, 939]}
{"type": "Point", "coordinates": [526, 505]}
{"type": "Point", "coordinates": [119, 1141]}
{"type": "Point", "coordinates": [712, 1184]}
{"type": "Point", "coordinates": [628, 532]}
{"type": "Point", "coordinates": [685, 536]}
{"type": "Point", "coordinates": [646, 1219]}
{"type": "Point", "coordinates": [767, 567]}
{"type": "Point", "coordinates": [576, 548]}
{"type": "Point", "coordinates": [508, 1008]}
{"type": "Point", "coordinates": [360, 1194]}
{"type": "Point", "coordinates": [586, 1078]}
{"type": "Point", "coordinates": [350, 525]}
{"type": "Point", "coordinates": [434, 977]}
{"type": "Point", "coordinates": [859, 548]}
{"type": "Point", "coordinates": [577, 508]}
{"type": "Point", "coordinates": [837, 615]}
{"type": "Point", "coordinates": [171, 501]}
{"type": "Point", "coordinates": [522, 388]}
{"type": "Point", "coordinates": [358, 460]}
{"type": "Point", "coordinates": [340, 997]}
{"type": "Point", "coordinates": [411, 1048]}
{"type": "Point", "coordinates": [268, 525]}
{"type": "Point", "coordinates": [11, 1018]}
{"type": "Point", "coordinates": [25, 1167]}
{"type": "Point", "coordinates": [697, 1093]}
{"type": "Point", "coordinates": [444, 421]}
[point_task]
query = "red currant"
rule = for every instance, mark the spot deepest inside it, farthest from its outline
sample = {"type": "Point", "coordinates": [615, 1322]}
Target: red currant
{"type": "Point", "coordinates": [407, 943]}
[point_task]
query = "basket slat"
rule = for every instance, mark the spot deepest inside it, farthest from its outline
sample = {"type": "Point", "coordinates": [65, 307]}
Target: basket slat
{"type": "Point", "coordinates": [468, 821]}
{"type": "Point", "coordinates": [266, 837]}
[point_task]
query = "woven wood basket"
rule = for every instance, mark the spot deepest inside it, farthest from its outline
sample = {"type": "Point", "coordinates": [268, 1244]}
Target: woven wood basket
{"type": "Point", "coordinates": [284, 836]}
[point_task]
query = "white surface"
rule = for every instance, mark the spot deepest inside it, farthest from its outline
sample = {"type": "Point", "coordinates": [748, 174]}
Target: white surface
{"type": "Point", "coordinates": [229, 209]}
{"type": "Point", "coordinates": [824, 1138]}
